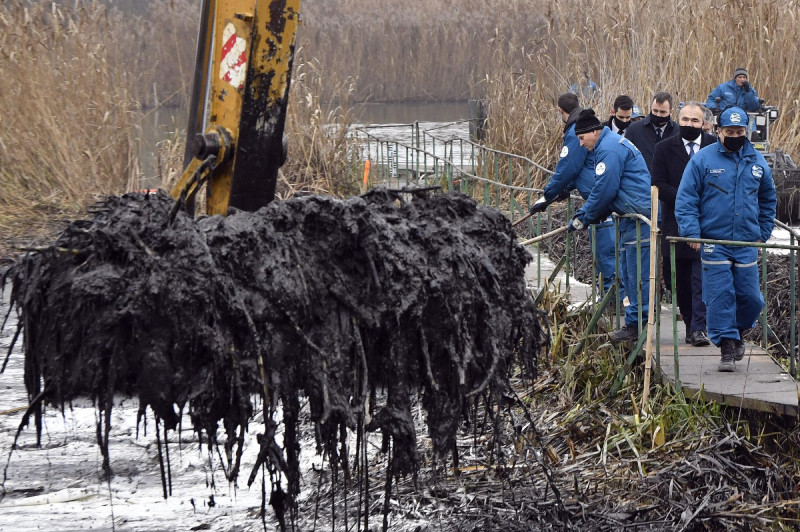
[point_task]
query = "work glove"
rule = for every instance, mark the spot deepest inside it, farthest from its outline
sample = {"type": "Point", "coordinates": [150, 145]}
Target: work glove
{"type": "Point", "coordinates": [746, 86]}
{"type": "Point", "coordinates": [575, 224]}
{"type": "Point", "coordinates": [539, 205]}
{"type": "Point", "coordinates": [563, 195]}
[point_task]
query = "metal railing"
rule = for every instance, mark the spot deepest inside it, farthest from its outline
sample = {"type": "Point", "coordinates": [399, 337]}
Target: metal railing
{"type": "Point", "coordinates": [766, 330]}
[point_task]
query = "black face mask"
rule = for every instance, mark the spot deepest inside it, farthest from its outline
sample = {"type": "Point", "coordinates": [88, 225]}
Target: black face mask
{"type": "Point", "coordinates": [620, 124]}
{"type": "Point", "coordinates": [734, 143]}
{"type": "Point", "coordinates": [658, 121]}
{"type": "Point", "coordinates": [690, 133]}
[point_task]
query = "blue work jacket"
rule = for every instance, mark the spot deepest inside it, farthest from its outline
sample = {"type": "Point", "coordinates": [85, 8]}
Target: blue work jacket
{"type": "Point", "coordinates": [733, 95]}
{"type": "Point", "coordinates": [621, 180]}
{"type": "Point", "coordinates": [726, 196]}
{"type": "Point", "coordinates": [573, 170]}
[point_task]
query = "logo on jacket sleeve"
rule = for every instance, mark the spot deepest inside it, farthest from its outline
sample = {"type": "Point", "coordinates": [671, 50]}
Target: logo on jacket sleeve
{"type": "Point", "coordinates": [758, 171]}
{"type": "Point", "coordinates": [564, 152]}
{"type": "Point", "coordinates": [600, 169]}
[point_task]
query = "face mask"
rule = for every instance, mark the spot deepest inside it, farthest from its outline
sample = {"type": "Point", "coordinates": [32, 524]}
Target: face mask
{"type": "Point", "coordinates": [733, 143]}
{"type": "Point", "coordinates": [690, 132]}
{"type": "Point", "coordinates": [658, 121]}
{"type": "Point", "coordinates": [620, 124]}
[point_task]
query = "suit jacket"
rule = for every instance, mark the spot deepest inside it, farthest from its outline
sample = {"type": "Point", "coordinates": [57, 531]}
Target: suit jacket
{"type": "Point", "coordinates": [643, 136]}
{"type": "Point", "coordinates": [669, 161]}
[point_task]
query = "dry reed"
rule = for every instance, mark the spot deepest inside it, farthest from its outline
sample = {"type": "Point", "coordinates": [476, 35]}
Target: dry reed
{"type": "Point", "coordinates": [66, 115]}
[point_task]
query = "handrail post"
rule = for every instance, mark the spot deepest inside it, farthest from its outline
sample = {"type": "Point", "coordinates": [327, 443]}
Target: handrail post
{"type": "Point", "coordinates": [793, 318]}
{"type": "Point", "coordinates": [639, 311]}
{"type": "Point", "coordinates": [617, 270]}
{"type": "Point", "coordinates": [568, 242]}
{"type": "Point", "coordinates": [764, 335]}
{"type": "Point", "coordinates": [593, 237]}
{"type": "Point", "coordinates": [674, 316]}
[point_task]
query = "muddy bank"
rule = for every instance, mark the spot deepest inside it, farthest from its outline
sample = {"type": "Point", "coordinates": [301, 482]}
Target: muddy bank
{"type": "Point", "coordinates": [316, 297]}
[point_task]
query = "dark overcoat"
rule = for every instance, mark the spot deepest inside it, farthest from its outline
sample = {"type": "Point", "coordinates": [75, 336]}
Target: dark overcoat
{"type": "Point", "coordinates": [669, 160]}
{"type": "Point", "coordinates": [643, 136]}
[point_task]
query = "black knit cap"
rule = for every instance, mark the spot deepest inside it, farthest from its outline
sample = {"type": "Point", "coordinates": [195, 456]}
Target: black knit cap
{"type": "Point", "coordinates": [587, 122]}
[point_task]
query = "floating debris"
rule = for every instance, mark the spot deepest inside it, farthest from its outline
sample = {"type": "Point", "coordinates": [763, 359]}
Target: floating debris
{"type": "Point", "coordinates": [311, 297]}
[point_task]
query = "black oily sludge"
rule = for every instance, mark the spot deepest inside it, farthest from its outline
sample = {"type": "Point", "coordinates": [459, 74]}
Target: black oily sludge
{"type": "Point", "coordinates": [327, 299]}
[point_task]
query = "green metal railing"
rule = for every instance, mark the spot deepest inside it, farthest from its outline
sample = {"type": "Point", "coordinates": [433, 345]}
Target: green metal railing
{"type": "Point", "coordinates": [767, 331]}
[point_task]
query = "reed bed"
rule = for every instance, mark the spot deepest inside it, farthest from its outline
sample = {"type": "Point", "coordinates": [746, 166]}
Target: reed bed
{"type": "Point", "coordinates": [67, 117]}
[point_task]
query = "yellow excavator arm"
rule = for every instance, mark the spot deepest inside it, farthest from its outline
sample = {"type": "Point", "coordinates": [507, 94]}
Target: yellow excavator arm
{"type": "Point", "coordinates": [245, 50]}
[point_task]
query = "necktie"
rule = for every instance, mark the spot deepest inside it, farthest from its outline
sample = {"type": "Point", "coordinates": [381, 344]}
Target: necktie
{"type": "Point", "coordinates": [691, 148]}
{"type": "Point", "coordinates": [658, 133]}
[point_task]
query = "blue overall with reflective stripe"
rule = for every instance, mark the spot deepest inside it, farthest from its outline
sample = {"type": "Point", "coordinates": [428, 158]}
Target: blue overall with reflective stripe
{"type": "Point", "coordinates": [728, 196]}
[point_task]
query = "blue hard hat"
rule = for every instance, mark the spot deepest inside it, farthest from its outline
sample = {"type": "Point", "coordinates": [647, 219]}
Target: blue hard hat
{"type": "Point", "coordinates": [636, 112]}
{"type": "Point", "coordinates": [733, 116]}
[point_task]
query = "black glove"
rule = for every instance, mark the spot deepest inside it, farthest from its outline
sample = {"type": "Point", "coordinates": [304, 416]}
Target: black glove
{"type": "Point", "coordinates": [563, 195]}
{"type": "Point", "coordinates": [539, 205]}
{"type": "Point", "coordinates": [746, 86]}
{"type": "Point", "coordinates": [575, 224]}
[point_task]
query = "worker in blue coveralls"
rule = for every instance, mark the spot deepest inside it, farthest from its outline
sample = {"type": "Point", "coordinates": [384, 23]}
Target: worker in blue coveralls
{"type": "Point", "coordinates": [621, 185]}
{"type": "Point", "coordinates": [575, 169]}
{"type": "Point", "coordinates": [734, 93]}
{"type": "Point", "coordinates": [727, 193]}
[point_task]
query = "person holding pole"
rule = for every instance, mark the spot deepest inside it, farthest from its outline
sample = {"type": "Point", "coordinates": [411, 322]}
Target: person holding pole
{"type": "Point", "coordinates": [621, 185]}
{"type": "Point", "coordinates": [727, 193]}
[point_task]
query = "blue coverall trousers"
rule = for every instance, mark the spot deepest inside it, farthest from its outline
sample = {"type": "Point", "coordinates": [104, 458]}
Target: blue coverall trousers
{"type": "Point", "coordinates": [627, 233]}
{"type": "Point", "coordinates": [605, 249]}
{"type": "Point", "coordinates": [730, 290]}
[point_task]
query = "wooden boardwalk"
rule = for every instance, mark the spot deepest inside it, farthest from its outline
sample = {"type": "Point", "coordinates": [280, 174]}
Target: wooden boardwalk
{"type": "Point", "coordinates": [759, 382]}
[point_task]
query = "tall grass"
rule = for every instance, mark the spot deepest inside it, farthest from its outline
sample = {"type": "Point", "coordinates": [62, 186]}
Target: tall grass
{"type": "Point", "coordinates": [66, 115]}
{"type": "Point", "coordinates": [323, 158]}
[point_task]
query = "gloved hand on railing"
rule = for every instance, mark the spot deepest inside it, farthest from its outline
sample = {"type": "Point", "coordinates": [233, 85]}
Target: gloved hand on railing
{"type": "Point", "coordinates": [575, 224]}
{"type": "Point", "coordinates": [541, 204]}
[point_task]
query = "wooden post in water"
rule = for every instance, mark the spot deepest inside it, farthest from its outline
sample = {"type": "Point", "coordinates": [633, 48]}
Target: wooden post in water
{"type": "Point", "coordinates": [651, 313]}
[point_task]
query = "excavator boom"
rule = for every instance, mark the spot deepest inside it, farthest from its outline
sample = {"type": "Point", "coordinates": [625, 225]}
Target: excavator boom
{"type": "Point", "coordinates": [245, 50]}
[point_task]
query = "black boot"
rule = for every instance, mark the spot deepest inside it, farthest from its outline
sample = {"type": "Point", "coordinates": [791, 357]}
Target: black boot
{"type": "Point", "coordinates": [740, 345]}
{"type": "Point", "coordinates": [627, 333]}
{"type": "Point", "coordinates": [699, 339]}
{"type": "Point", "coordinates": [727, 350]}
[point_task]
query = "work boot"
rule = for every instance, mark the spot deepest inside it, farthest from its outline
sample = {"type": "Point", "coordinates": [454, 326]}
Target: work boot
{"type": "Point", "coordinates": [699, 339]}
{"type": "Point", "coordinates": [739, 350]}
{"type": "Point", "coordinates": [727, 350]}
{"type": "Point", "coordinates": [627, 333]}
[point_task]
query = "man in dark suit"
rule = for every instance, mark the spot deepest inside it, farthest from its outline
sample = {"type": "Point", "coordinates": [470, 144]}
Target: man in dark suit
{"type": "Point", "coordinates": [644, 134]}
{"type": "Point", "coordinates": [670, 158]}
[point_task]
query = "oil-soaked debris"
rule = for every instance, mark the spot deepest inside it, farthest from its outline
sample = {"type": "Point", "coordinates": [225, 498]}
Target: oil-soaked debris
{"type": "Point", "coordinates": [327, 299]}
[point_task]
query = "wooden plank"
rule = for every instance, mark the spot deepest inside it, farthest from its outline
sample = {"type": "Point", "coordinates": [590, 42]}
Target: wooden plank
{"type": "Point", "coordinates": [759, 382]}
